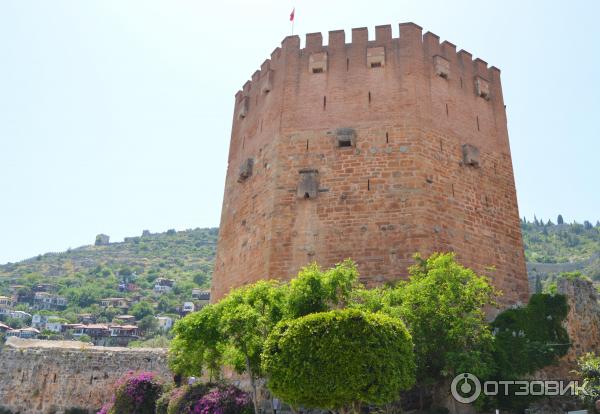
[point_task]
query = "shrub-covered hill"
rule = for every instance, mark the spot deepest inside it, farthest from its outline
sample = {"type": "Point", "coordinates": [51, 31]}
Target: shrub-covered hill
{"type": "Point", "coordinates": [551, 249]}
{"type": "Point", "coordinates": [89, 273]}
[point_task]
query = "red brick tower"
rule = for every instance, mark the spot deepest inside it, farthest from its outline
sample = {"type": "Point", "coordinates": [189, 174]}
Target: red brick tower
{"type": "Point", "coordinates": [371, 150]}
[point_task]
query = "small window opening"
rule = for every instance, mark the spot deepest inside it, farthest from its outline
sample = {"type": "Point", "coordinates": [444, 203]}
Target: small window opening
{"type": "Point", "coordinates": [387, 138]}
{"type": "Point", "coordinates": [452, 190]}
{"type": "Point", "coordinates": [306, 195]}
{"type": "Point", "coordinates": [347, 64]}
{"type": "Point", "coordinates": [369, 96]}
{"type": "Point", "coordinates": [461, 83]}
{"type": "Point", "coordinates": [307, 145]}
{"type": "Point", "coordinates": [344, 143]}
{"type": "Point", "coordinates": [368, 184]}
{"type": "Point", "coordinates": [375, 64]}
{"type": "Point", "coordinates": [317, 70]}
{"type": "Point", "coordinates": [447, 110]}
{"type": "Point", "coordinates": [324, 102]}
{"type": "Point", "coordinates": [478, 124]}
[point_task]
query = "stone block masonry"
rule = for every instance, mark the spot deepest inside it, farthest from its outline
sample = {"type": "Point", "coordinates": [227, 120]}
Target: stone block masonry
{"type": "Point", "coordinates": [372, 150]}
{"type": "Point", "coordinates": [44, 377]}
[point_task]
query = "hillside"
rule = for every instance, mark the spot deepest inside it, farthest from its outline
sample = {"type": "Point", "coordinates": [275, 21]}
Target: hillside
{"type": "Point", "coordinates": [551, 249]}
{"type": "Point", "coordinates": [87, 274]}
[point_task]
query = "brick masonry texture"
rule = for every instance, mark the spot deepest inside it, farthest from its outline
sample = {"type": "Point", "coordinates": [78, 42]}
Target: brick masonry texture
{"type": "Point", "coordinates": [428, 166]}
{"type": "Point", "coordinates": [51, 376]}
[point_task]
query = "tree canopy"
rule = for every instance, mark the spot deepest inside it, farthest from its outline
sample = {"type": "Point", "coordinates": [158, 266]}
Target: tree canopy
{"type": "Point", "coordinates": [339, 359]}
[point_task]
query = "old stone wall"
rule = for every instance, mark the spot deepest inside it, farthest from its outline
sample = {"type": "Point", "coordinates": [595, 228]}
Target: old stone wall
{"type": "Point", "coordinates": [425, 163]}
{"type": "Point", "coordinates": [583, 326]}
{"type": "Point", "coordinates": [51, 376]}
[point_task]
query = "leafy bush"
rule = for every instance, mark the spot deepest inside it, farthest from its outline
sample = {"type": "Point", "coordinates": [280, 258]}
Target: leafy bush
{"type": "Point", "coordinates": [589, 370]}
{"type": "Point", "coordinates": [135, 394]}
{"type": "Point", "coordinates": [339, 358]}
{"type": "Point", "coordinates": [531, 337]}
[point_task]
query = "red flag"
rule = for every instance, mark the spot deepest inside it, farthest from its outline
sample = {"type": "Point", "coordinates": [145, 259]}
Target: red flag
{"type": "Point", "coordinates": [292, 14]}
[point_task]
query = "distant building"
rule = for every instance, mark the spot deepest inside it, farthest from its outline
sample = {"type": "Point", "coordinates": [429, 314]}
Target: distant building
{"type": "Point", "coordinates": [39, 321]}
{"type": "Point", "coordinates": [162, 285]}
{"type": "Point", "coordinates": [106, 335]}
{"type": "Point", "coordinates": [124, 318]}
{"type": "Point", "coordinates": [165, 323]}
{"type": "Point", "coordinates": [102, 240]}
{"type": "Point", "coordinates": [95, 331]}
{"type": "Point", "coordinates": [20, 315]}
{"type": "Point", "coordinates": [47, 323]}
{"type": "Point", "coordinates": [49, 301]}
{"type": "Point", "coordinates": [6, 302]}
{"type": "Point", "coordinates": [86, 318]}
{"type": "Point", "coordinates": [126, 331]}
{"type": "Point", "coordinates": [120, 303]}
{"type": "Point", "coordinates": [188, 307]}
{"type": "Point", "coordinates": [25, 333]}
{"type": "Point", "coordinates": [202, 297]}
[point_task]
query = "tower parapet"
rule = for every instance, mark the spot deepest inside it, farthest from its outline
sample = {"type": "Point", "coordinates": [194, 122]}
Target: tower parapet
{"type": "Point", "coordinates": [402, 146]}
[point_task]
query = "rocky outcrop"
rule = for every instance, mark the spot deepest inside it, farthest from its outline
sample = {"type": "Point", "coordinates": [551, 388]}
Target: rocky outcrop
{"type": "Point", "coordinates": [583, 326]}
{"type": "Point", "coordinates": [43, 377]}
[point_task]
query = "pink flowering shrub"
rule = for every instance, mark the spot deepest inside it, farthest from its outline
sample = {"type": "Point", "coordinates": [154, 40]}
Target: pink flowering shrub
{"type": "Point", "coordinates": [183, 398]}
{"type": "Point", "coordinates": [210, 399]}
{"type": "Point", "coordinates": [224, 400]}
{"type": "Point", "coordinates": [134, 394]}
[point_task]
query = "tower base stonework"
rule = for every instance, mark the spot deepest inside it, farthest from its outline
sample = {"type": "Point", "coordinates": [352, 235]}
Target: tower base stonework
{"type": "Point", "coordinates": [372, 150]}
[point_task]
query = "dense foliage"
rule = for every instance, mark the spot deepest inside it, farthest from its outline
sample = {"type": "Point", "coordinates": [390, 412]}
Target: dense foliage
{"type": "Point", "coordinates": [441, 304]}
{"type": "Point", "coordinates": [589, 370]}
{"type": "Point", "coordinates": [339, 358]}
{"type": "Point", "coordinates": [531, 337]}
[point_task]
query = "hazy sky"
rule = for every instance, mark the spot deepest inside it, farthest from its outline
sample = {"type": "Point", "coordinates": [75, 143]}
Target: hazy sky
{"type": "Point", "coordinates": [115, 116]}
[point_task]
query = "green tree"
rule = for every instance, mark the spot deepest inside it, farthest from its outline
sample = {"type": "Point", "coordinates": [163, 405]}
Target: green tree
{"type": "Point", "coordinates": [560, 220]}
{"type": "Point", "coordinates": [148, 324]}
{"type": "Point", "coordinates": [232, 331]}
{"type": "Point", "coordinates": [314, 290]}
{"type": "Point", "coordinates": [142, 309]}
{"type": "Point", "coordinates": [339, 359]}
{"type": "Point", "coordinates": [200, 278]}
{"type": "Point", "coordinates": [198, 343]}
{"type": "Point", "coordinates": [442, 305]}
{"type": "Point", "coordinates": [530, 337]}
{"type": "Point", "coordinates": [247, 316]}
{"type": "Point", "coordinates": [589, 370]}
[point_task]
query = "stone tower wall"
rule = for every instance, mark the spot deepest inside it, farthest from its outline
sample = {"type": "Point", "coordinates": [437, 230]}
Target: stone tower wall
{"type": "Point", "coordinates": [428, 167]}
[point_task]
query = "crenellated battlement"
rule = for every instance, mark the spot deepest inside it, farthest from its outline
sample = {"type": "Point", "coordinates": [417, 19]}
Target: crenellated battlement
{"type": "Point", "coordinates": [410, 41]}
